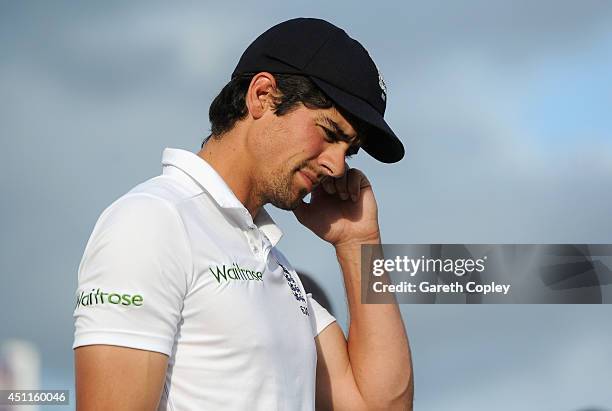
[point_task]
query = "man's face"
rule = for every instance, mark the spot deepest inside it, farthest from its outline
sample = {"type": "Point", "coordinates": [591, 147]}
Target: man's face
{"type": "Point", "coordinates": [300, 148]}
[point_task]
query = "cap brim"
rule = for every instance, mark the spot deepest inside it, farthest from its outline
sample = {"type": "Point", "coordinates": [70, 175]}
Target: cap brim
{"type": "Point", "coordinates": [384, 146]}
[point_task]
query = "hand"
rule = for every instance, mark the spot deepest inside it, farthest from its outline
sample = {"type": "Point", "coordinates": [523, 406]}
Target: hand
{"type": "Point", "coordinates": [342, 210]}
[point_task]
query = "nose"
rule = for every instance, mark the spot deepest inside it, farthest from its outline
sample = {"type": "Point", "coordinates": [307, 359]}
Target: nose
{"type": "Point", "coordinates": [332, 160]}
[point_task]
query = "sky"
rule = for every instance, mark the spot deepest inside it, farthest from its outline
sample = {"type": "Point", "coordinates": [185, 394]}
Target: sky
{"type": "Point", "coordinates": [503, 108]}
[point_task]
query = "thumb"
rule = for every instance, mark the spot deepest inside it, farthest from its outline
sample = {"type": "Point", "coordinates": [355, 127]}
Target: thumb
{"type": "Point", "coordinates": [301, 212]}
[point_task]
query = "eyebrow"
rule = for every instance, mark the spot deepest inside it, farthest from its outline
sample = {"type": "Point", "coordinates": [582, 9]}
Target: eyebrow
{"type": "Point", "coordinates": [337, 130]}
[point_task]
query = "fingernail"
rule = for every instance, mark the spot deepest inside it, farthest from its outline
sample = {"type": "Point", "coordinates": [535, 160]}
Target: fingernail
{"type": "Point", "coordinates": [354, 197]}
{"type": "Point", "coordinates": [344, 196]}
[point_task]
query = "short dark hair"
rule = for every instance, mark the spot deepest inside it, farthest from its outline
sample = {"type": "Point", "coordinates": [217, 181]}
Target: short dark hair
{"type": "Point", "coordinates": [229, 106]}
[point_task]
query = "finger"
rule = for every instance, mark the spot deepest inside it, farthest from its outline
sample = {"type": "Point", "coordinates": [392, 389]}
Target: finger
{"type": "Point", "coordinates": [355, 179]}
{"type": "Point", "coordinates": [363, 179]}
{"type": "Point", "coordinates": [341, 185]}
{"type": "Point", "coordinates": [328, 185]}
{"type": "Point", "coordinates": [318, 191]}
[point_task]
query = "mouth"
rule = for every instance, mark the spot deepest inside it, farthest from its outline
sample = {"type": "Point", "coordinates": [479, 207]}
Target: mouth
{"type": "Point", "coordinates": [310, 180]}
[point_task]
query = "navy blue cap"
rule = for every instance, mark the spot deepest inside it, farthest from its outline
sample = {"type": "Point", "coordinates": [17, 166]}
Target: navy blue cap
{"type": "Point", "coordinates": [339, 65]}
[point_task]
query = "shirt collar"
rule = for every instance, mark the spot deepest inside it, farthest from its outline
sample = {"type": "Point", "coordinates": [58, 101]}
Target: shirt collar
{"type": "Point", "coordinates": [210, 181]}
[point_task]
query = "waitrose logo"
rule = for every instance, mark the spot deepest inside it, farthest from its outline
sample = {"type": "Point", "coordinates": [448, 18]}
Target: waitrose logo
{"type": "Point", "coordinates": [234, 272]}
{"type": "Point", "coordinates": [98, 297]}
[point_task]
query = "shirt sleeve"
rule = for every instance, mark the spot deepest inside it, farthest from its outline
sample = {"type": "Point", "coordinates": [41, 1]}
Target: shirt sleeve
{"type": "Point", "coordinates": [133, 276]}
{"type": "Point", "coordinates": [321, 318]}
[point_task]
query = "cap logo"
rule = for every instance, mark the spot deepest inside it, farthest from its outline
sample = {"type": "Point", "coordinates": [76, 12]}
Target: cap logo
{"type": "Point", "coordinates": [383, 87]}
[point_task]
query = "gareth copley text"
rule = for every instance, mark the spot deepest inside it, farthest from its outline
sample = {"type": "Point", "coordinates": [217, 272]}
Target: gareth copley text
{"type": "Point", "coordinates": [412, 266]}
{"type": "Point", "coordinates": [426, 287]}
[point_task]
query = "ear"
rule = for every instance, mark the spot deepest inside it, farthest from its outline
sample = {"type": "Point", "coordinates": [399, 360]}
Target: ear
{"type": "Point", "coordinates": [259, 96]}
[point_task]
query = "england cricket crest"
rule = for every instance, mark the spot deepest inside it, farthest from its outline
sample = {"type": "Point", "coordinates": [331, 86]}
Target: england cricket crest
{"type": "Point", "coordinates": [383, 86]}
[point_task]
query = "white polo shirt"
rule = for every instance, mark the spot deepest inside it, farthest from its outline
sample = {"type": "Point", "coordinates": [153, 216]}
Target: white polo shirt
{"type": "Point", "coordinates": [178, 266]}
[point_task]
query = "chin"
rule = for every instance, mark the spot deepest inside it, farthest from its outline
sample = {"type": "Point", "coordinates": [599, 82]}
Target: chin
{"type": "Point", "coordinates": [285, 205]}
{"type": "Point", "coordinates": [290, 204]}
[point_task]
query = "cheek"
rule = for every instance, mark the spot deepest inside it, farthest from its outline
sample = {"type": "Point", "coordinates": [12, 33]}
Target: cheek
{"type": "Point", "coordinates": [292, 143]}
{"type": "Point", "coordinates": [311, 145]}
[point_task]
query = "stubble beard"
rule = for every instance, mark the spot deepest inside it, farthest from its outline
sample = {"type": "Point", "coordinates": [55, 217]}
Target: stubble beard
{"type": "Point", "coordinates": [281, 190]}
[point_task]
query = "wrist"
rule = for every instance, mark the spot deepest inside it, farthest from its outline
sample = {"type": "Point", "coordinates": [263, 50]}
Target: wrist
{"type": "Point", "coordinates": [355, 244]}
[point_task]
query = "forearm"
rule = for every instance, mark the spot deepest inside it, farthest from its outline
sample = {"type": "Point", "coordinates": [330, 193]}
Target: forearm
{"type": "Point", "coordinates": [377, 344]}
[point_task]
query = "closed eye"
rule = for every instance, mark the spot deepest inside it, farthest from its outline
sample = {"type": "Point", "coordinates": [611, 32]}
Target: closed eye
{"type": "Point", "coordinates": [333, 137]}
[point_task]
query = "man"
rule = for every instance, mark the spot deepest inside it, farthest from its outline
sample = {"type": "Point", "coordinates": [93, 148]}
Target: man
{"type": "Point", "coordinates": [184, 301]}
